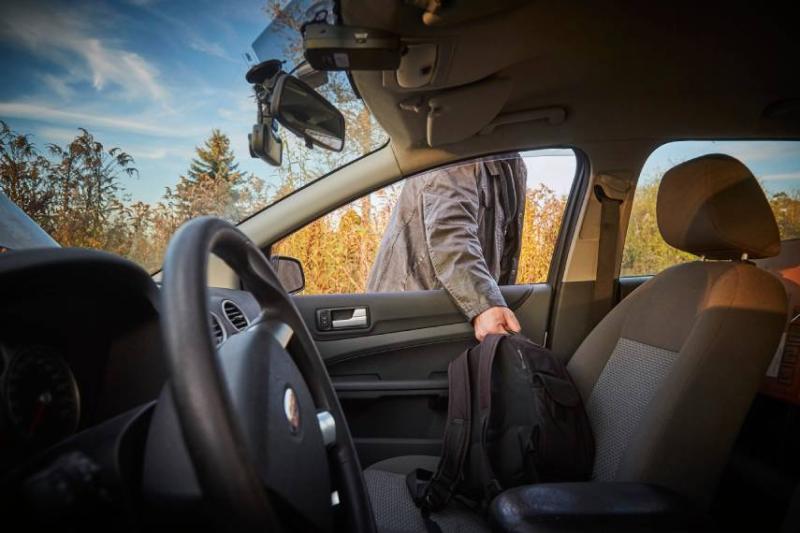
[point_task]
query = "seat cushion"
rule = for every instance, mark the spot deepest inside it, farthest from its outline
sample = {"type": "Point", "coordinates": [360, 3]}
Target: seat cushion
{"type": "Point", "coordinates": [394, 509]}
{"type": "Point", "coordinates": [406, 463]}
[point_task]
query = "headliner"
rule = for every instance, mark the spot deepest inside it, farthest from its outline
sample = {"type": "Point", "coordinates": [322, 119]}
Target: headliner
{"type": "Point", "coordinates": [630, 75]}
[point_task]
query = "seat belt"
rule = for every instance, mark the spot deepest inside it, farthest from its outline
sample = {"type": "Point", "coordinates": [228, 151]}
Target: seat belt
{"type": "Point", "coordinates": [610, 191]}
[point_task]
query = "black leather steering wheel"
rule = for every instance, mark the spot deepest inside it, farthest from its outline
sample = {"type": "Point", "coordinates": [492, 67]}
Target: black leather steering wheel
{"type": "Point", "coordinates": [260, 419]}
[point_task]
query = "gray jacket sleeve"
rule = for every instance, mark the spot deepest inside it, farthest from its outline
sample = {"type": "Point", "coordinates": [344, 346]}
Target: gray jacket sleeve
{"type": "Point", "coordinates": [450, 206]}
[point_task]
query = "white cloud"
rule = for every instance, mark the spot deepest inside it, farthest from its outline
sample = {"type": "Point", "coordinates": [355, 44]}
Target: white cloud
{"type": "Point", "coordinates": [57, 84]}
{"type": "Point", "coordinates": [751, 151]}
{"type": "Point", "coordinates": [57, 135]}
{"type": "Point", "coordinates": [63, 136]}
{"type": "Point", "coordinates": [786, 176]}
{"type": "Point", "coordinates": [225, 113]}
{"type": "Point", "coordinates": [156, 152]}
{"type": "Point", "coordinates": [67, 40]}
{"type": "Point", "coordinates": [210, 48]}
{"type": "Point", "coordinates": [88, 120]}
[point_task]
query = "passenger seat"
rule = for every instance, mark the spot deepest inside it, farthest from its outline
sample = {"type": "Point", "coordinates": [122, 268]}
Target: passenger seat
{"type": "Point", "coordinates": [669, 374]}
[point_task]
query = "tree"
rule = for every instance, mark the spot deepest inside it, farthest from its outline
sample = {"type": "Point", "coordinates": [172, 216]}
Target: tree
{"type": "Point", "coordinates": [541, 224]}
{"type": "Point", "coordinates": [645, 251]}
{"type": "Point", "coordinates": [363, 133]}
{"type": "Point", "coordinates": [87, 204]}
{"type": "Point", "coordinates": [212, 185]}
{"type": "Point", "coordinates": [76, 193]}
{"type": "Point", "coordinates": [25, 175]}
{"type": "Point", "coordinates": [73, 194]}
{"type": "Point", "coordinates": [786, 206]}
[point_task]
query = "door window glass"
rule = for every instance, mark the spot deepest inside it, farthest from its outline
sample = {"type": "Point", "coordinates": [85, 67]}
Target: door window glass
{"type": "Point", "coordinates": [383, 236]}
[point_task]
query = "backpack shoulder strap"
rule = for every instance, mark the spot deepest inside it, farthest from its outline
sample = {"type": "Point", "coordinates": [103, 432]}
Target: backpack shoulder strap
{"type": "Point", "coordinates": [488, 351]}
{"type": "Point", "coordinates": [456, 439]}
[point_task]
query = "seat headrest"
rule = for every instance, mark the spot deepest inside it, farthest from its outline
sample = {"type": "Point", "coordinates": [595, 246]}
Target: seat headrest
{"type": "Point", "coordinates": [713, 206]}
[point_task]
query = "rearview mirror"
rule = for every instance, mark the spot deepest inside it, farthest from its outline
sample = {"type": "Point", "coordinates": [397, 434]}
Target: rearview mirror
{"type": "Point", "coordinates": [290, 273]}
{"type": "Point", "coordinates": [304, 112]}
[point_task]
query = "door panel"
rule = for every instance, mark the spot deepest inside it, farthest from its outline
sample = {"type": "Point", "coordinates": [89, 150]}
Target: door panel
{"type": "Point", "coordinates": [391, 375]}
{"type": "Point", "coordinates": [401, 311]}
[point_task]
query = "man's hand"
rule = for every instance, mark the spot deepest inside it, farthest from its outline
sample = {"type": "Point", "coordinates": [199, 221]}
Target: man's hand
{"type": "Point", "coordinates": [495, 320]}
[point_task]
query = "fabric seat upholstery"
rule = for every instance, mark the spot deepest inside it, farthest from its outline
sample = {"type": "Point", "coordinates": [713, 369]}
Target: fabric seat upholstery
{"type": "Point", "coordinates": [669, 374]}
{"type": "Point", "coordinates": [394, 509]}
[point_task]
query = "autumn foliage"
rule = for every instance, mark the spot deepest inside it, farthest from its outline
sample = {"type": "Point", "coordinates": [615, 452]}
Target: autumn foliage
{"type": "Point", "coordinates": [646, 252]}
{"type": "Point", "coordinates": [338, 250]}
{"type": "Point", "coordinates": [76, 193]}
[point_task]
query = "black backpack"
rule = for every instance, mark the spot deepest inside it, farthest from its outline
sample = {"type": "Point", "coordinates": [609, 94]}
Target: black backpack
{"type": "Point", "coordinates": [514, 418]}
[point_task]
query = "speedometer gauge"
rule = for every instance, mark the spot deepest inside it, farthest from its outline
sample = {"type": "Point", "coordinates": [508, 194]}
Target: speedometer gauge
{"type": "Point", "coordinates": [42, 396]}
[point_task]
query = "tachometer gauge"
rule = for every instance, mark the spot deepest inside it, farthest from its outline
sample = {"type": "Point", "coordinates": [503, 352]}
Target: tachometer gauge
{"type": "Point", "coordinates": [42, 396]}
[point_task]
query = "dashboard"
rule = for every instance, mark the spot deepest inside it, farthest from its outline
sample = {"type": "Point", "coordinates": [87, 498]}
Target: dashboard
{"type": "Point", "coordinates": [80, 343]}
{"type": "Point", "coordinates": [42, 397]}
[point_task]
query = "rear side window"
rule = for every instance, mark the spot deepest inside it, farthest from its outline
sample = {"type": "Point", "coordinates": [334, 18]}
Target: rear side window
{"type": "Point", "coordinates": [776, 165]}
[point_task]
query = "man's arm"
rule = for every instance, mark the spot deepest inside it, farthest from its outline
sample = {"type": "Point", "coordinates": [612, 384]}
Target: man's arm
{"type": "Point", "coordinates": [450, 205]}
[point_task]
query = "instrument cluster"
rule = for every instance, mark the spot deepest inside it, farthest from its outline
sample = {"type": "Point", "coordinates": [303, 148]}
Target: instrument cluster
{"type": "Point", "coordinates": [41, 401]}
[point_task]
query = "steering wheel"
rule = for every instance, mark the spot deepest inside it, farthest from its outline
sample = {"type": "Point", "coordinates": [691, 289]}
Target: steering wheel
{"type": "Point", "coordinates": [260, 420]}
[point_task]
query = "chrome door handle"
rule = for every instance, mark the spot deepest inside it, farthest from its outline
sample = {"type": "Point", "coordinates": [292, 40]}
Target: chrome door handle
{"type": "Point", "coordinates": [357, 320]}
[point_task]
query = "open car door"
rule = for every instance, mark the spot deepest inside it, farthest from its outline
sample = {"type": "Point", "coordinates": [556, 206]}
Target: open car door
{"type": "Point", "coordinates": [388, 353]}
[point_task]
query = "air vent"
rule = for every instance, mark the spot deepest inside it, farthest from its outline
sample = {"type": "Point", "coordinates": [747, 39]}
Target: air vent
{"type": "Point", "coordinates": [235, 315]}
{"type": "Point", "coordinates": [217, 330]}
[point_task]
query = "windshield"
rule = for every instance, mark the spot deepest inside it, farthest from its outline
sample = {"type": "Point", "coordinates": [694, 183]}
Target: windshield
{"type": "Point", "coordinates": [121, 120]}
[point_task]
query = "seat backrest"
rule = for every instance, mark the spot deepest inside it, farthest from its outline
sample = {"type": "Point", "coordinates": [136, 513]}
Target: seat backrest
{"type": "Point", "coordinates": [668, 374]}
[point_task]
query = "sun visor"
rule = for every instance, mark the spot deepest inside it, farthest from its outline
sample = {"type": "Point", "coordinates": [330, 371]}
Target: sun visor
{"type": "Point", "coordinates": [461, 113]}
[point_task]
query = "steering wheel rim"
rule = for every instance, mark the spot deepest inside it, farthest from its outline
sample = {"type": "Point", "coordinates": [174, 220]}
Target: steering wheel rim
{"type": "Point", "coordinates": [223, 464]}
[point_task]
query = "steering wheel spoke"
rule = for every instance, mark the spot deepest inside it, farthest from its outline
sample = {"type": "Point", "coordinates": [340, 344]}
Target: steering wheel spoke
{"type": "Point", "coordinates": [281, 331]}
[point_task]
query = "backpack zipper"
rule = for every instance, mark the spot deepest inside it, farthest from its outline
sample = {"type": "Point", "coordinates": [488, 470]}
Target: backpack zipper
{"type": "Point", "coordinates": [522, 360]}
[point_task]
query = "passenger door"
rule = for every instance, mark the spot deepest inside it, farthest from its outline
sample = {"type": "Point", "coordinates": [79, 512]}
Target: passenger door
{"type": "Point", "coordinates": [387, 353]}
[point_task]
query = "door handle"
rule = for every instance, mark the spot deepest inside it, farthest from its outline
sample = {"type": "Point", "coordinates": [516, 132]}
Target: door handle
{"type": "Point", "coordinates": [357, 320]}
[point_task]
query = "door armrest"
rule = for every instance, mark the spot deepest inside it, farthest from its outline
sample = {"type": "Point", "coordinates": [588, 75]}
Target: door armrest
{"type": "Point", "coordinates": [594, 506]}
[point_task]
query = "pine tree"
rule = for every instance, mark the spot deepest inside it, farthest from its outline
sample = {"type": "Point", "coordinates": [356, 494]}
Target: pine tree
{"type": "Point", "coordinates": [212, 185]}
{"type": "Point", "coordinates": [215, 159]}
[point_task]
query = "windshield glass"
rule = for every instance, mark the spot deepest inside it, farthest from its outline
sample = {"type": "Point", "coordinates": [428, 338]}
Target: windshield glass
{"type": "Point", "coordinates": [121, 120]}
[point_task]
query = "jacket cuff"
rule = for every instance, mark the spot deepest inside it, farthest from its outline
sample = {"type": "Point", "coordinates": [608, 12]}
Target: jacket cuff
{"type": "Point", "coordinates": [481, 303]}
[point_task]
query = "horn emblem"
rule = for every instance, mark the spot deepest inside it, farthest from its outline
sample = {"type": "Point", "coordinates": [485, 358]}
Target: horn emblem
{"type": "Point", "coordinates": [292, 409]}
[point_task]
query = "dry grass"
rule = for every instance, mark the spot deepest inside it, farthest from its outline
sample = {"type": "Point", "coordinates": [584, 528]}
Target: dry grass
{"type": "Point", "coordinates": [338, 250]}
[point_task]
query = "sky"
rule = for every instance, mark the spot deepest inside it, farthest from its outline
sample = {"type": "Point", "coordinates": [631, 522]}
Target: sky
{"type": "Point", "coordinates": [155, 76]}
{"type": "Point", "coordinates": [555, 168]}
{"type": "Point", "coordinates": [775, 163]}
{"type": "Point", "coordinates": [150, 76]}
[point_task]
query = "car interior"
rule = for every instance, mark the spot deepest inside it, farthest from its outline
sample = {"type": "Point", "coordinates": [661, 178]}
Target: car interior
{"type": "Point", "coordinates": [689, 376]}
